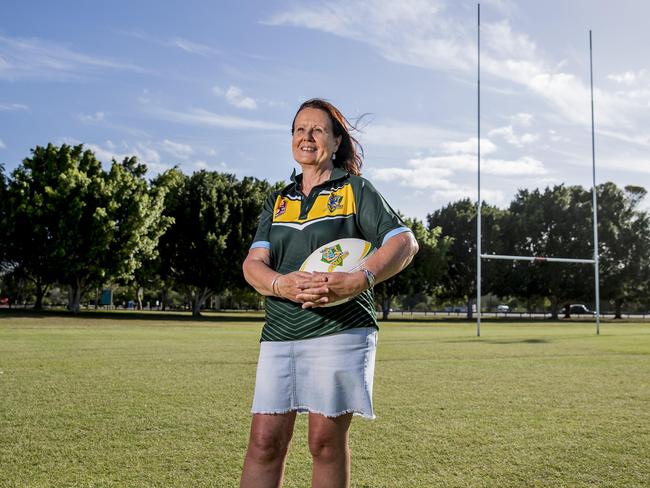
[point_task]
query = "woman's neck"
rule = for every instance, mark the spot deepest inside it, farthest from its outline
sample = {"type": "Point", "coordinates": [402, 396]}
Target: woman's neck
{"type": "Point", "coordinates": [314, 176]}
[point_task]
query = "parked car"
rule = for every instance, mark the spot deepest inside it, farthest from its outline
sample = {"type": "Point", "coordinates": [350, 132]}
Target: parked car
{"type": "Point", "coordinates": [580, 309]}
{"type": "Point", "coordinates": [503, 308]}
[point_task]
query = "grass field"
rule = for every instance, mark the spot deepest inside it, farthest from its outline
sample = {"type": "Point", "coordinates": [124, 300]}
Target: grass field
{"type": "Point", "coordinates": [108, 400]}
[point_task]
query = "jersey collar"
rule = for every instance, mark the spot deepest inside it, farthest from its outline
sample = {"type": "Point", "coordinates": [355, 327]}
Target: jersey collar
{"type": "Point", "coordinates": [337, 174]}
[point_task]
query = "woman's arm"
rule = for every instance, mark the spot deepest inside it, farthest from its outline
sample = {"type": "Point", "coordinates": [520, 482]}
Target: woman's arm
{"type": "Point", "coordinates": [268, 282]}
{"type": "Point", "coordinates": [258, 272]}
{"type": "Point", "coordinates": [387, 261]}
{"type": "Point", "coordinates": [393, 256]}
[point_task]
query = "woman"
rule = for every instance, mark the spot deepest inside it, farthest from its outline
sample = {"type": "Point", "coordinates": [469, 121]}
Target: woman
{"type": "Point", "coordinates": [317, 359]}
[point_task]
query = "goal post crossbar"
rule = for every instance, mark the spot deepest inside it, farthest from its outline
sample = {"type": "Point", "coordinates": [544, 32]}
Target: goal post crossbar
{"type": "Point", "coordinates": [537, 259]}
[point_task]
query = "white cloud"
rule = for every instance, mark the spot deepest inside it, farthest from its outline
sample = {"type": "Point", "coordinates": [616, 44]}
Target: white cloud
{"type": "Point", "coordinates": [204, 118]}
{"type": "Point", "coordinates": [506, 7]}
{"type": "Point", "coordinates": [437, 187]}
{"type": "Point", "coordinates": [9, 107]}
{"type": "Point", "coordinates": [101, 119]}
{"type": "Point", "coordinates": [143, 151]}
{"type": "Point", "coordinates": [2, 144]}
{"type": "Point", "coordinates": [204, 165]}
{"type": "Point", "coordinates": [176, 149]}
{"type": "Point", "coordinates": [509, 136]}
{"type": "Point", "coordinates": [555, 137]}
{"type": "Point", "coordinates": [641, 139]}
{"type": "Point", "coordinates": [523, 166]}
{"type": "Point", "coordinates": [192, 47]}
{"type": "Point", "coordinates": [628, 77]}
{"type": "Point", "coordinates": [470, 146]}
{"type": "Point", "coordinates": [158, 156]}
{"type": "Point", "coordinates": [92, 118]}
{"type": "Point", "coordinates": [33, 58]}
{"type": "Point", "coordinates": [235, 97]}
{"type": "Point", "coordinates": [625, 162]}
{"type": "Point", "coordinates": [424, 34]}
{"type": "Point", "coordinates": [175, 42]}
{"type": "Point", "coordinates": [522, 119]}
{"type": "Point", "coordinates": [145, 97]}
{"type": "Point", "coordinates": [439, 172]}
{"type": "Point", "coordinates": [413, 32]}
{"type": "Point", "coordinates": [402, 134]}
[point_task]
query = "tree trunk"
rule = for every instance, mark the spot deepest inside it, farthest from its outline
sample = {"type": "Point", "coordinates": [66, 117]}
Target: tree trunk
{"type": "Point", "coordinates": [554, 308]}
{"type": "Point", "coordinates": [74, 297]}
{"type": "Point", "coordinates": [163, 298]}
{"type": "Point", "coordinates": [139, 292]}
{"type": "Point", "coordinates": [618, 308]}
{"type": "Point", "coordinates": [567, 311]}
{"type": "Point", "coordinates": [470, 311]}
{"type": "Point", "coordinates": [41, 290]}
{"type": "Point", "coordinates": [385, 309]}
{"type": "Point", "coordinates": [198, 300]}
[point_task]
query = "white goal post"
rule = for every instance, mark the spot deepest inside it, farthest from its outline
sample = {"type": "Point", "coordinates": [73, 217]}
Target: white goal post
{"type": "Point", "coordinates": [480, 255]}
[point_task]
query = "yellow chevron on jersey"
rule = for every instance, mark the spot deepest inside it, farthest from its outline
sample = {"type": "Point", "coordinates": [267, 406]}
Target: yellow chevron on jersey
{"type": "Point", "coordinates": [339, 202]}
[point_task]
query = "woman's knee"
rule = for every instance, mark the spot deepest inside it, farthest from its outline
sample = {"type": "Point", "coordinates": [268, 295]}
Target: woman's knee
{"type": "Point", "coordinates": [270, 437]}
{"type": "Point", "coordinates": [328, 444]}
{"type": "Point", "coordinates": [267, 447]}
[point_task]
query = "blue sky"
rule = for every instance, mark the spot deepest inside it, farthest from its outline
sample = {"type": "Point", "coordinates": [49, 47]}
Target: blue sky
{"type": "Point", "coordinates": [215, 84]}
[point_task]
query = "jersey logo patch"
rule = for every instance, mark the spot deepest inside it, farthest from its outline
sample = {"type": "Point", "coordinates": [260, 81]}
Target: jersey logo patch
{"type": "Point", "coordinates": [334, 202]}
{"type": "Point", "coordinates": [333, 256]}
{"type": "Point", "coordinates": [282, 207]}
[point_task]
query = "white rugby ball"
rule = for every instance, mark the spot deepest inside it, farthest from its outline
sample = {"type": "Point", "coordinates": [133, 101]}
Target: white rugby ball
{"type": "Point", "coordinates": [341, 255]}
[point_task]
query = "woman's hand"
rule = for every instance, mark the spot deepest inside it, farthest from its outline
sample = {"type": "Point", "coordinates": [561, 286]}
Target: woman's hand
{"type": "Point", "coordinates": [291, 285]}
{"type": "Point", "coordinates": [331, 287]}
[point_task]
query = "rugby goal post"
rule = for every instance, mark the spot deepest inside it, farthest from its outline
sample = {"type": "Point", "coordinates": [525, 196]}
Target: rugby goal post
{"type": "Point", "coordinates": [480, 255]}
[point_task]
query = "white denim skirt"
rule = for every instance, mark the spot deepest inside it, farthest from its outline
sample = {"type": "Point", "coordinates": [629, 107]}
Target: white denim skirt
{"type": "Point", "coordinates": [330, 375]}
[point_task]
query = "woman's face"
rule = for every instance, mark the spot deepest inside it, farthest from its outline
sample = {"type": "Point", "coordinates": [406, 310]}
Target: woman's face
{"type": "Point", "coordinates": [313, 139]}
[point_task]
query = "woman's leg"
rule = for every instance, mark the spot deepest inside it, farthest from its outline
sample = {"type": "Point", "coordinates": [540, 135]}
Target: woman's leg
{"type": "Point", "coordinates": [328, 443]}
{"type": "Point", "coordinates": [267, 450]}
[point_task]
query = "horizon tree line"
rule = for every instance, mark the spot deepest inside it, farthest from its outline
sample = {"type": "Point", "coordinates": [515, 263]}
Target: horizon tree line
{"type": "Point", "coordinates": [67, 221]}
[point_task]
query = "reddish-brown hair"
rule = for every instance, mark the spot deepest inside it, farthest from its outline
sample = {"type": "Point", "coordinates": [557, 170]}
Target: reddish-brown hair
{"type": "Point", "coordinates": [349, 155]}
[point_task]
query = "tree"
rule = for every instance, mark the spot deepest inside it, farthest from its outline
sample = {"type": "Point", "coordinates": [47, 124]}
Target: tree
{"type": "Point", "coordinates": [624, 238]}
{"type": "Point", "coordinates": [3, 220]}
{"type": "Point", "coordinates": [75, 223]}
{"type": "Point", "coordinates": [215, 217]}
{"type": "Point", "coordinates": [424, 273]}
{"type": "Point", "coordinates": [458, 222]}
{"type": "Point", "coordinates": [552, 223]}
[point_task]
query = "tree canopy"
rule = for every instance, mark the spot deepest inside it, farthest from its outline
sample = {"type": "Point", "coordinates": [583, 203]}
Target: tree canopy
{"type": "Point", "coordinates": [69, 221]}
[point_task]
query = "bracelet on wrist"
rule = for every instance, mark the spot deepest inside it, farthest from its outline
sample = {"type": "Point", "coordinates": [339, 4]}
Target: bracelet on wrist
{"type": "Point", "coordinates": [274, 284]}
{"type": "Point", "coordinates": [370, 277]}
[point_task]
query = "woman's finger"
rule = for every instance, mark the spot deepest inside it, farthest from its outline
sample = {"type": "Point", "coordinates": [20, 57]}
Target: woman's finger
{"type": "Point", "coordinates": [317, 303]}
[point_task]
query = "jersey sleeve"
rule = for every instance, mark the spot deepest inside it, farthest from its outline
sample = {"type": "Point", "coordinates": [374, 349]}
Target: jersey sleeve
{"type": "Point", "coordinates": [377, 221]}
{"type": "Point", "coordinates": [262, 236]}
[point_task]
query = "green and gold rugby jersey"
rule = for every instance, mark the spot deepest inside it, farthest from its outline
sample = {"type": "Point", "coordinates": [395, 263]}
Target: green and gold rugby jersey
{"type": "Point", "coordinates": [292, 226]}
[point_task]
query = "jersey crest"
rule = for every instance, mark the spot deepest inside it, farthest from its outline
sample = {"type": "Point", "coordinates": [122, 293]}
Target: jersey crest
{"type": "Point", "coordinates": [282, 207]}
{"type": "Point", "coordinates": [333, 256]}
{"type": "Point", "coordinates": [334, 202]}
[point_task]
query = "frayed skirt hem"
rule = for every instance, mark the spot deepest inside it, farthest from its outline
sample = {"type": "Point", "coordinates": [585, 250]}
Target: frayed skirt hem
{"type": "Point", "coordinates": [303, 410]}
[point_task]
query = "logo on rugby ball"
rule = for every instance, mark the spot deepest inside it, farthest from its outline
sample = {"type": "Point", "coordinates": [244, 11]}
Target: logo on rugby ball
{"type": "Point", "coordinates": [333, 256]}
{"type": "Point", "coordinates": [334, 202]}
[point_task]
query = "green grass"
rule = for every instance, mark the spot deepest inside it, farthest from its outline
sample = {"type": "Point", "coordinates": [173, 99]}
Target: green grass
{"type": "Point", "coordinates": [107, 400]}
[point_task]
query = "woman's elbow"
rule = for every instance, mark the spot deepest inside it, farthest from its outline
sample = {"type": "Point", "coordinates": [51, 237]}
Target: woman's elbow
{"type": "Point", "coordinates": [410, 244]}
{"type": "Point", "coordinates": [415, 247]}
